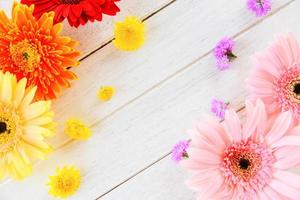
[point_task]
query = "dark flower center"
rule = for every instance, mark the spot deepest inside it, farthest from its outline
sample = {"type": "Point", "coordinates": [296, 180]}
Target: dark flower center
{"type": "Point", "coordinates": [70, 1]}
{"type": "Point", "coordinates": [244, 163]}
{"type": "Point", "coordinates": [3, 127]}
{"type": "Point", "coordinates": [297, 88]}
{"type": "Point", "coordinates": [26, 55]}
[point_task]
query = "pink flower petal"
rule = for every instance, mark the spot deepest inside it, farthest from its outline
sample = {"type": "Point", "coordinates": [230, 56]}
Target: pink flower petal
{"type": "Point", "coordinates": [211, 134]}
{"type": "Point", "coordinates": [211, 188]}
{"type": "Point", "coordinates": [266, 64]}
{"type": "Point", "coordinates": [199, 141]}
{"type": "Point", "coordinates": [294, 131]}
{"type": "Point", "coordinates": [295, 48]}
{"type": "Point", "coordinates": [288, 178]}
{"type": "Point", "coordinates": [196, 166]}
{"type": "Point", "coordinates": [262, 196]}
{"type": "Point", "coordinates": [255, 117]}
{"type": "Point", "coordinates": [287, 141]}
{"type": "Point", "coordinates": [285, 189]}
{"type": "Point", "coordinates": [280, 127]}
{"type": "Point", "coordinates": [232, 125]}
{"type": "Point", "coordinates": [290, 161]}
{"type": "Point", "coordinates": [204, 156]}
{"type": "Point", "coordinates": [272, 194]}
{"type": "Point", "coordinates": [282, 152]}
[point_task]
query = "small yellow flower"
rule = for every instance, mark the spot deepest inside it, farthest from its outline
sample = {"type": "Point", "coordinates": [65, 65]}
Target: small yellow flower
{"type": "Point", "coordinates": [106, 93]}
{"type": "Point", "coordinates": [77, 130]}
{"type": "Point", "coordinates": [129, 34]}
{"type": "Point", "coordinates": [65, 183]}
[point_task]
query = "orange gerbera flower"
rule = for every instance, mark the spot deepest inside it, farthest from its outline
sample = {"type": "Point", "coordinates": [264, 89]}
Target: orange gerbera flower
{"type": "Point", "coordinates": [33, 48]}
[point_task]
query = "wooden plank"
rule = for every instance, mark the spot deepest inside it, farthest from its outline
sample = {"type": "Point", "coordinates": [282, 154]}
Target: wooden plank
{"type": "Point", "coordinates": [164, 180]}
{"type": "Point", "coordinates": [141, 132]}
{"type": "Point", "coordinates": [93, 35]}
{"type": "Point", "coordinates": [134, 74]}
{"type": "Point", "coordinates": [6, 5]}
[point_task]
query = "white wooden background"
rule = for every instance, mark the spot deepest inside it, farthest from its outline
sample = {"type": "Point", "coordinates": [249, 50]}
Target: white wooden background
{"type": "Point", "coordinates": [161, 90]}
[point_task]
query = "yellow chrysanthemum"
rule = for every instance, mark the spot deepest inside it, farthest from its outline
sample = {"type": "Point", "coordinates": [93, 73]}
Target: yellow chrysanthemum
{"type": "Point", "coordinates": [106, 93]}
{"type": "Point", "coordinates": [77, 130]}
{"type": "Point", "coordinates": [65, 183]}
{"type": "Point", "coordinates": [24, 125]}
{"type": "Point", "coordinates": [129, 34]}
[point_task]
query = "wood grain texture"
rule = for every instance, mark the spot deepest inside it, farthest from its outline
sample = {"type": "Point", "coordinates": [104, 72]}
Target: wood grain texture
{"type": "Point", "coordinates": [138, 134]}
{"type": "Point", "coordinates": [164, 179]}
{"type": "Point", "coordinates": [172, 43]}
{"type": "Point", "coordinates": [94, 35]}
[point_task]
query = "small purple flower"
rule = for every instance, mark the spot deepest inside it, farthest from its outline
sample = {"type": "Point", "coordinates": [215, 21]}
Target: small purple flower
{"type": "Point", "coordinates": [219, 107]}
{"type": "Point", "coordinates": [259, 7]}
{"type": "Point", "coordinates": [223, 63]}
{"type": "Point", "coordinates": [179, 151]}
{"type": "Point", "coordinates": [223, 53]}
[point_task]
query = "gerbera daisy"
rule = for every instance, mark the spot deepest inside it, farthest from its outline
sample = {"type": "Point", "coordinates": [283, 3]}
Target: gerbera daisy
{"type": "Point", "coordinates": [23, 127]}
{"type": "Point", "coordinates": [65, 183]}
{"type": "Point", "coordinates": [33, 48]}
{"type": "Point", "coordinates": [276, 76]}
{"type": "Point", "coordinates": [78, 12]}
{"type": "Point", "coordinates": [245, 161]}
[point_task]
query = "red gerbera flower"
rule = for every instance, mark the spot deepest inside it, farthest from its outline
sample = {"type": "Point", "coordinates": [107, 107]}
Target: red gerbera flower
{"type": "Point", "coordinates": [78, 12]}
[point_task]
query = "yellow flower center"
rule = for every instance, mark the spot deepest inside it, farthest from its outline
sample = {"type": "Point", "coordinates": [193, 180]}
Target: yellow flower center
{"type": "Point", "coordinates": [66, 184]}
{"type": "Point", "coordinates": [9, 136]}
{"type": "Point", "coordinates": [25, 55]}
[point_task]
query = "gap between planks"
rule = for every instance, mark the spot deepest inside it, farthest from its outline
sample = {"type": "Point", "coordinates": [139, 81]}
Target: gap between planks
{"type": "Point", "coordinates": [143, 19]}
{"type": "Point", "coordinates": [176, 73]}
{"type": "Point", "coordinates": [148, 166]}
{"type": "Point", "coordinates": [133, 100]}
{"type": "Point", "coordinates": [169, 78]}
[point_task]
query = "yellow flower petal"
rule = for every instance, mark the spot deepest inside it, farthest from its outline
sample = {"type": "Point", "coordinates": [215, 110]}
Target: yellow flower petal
{"type": "Point", "coordinates": [106, 93]}
{"type": "Point", "coordinates": [129, 34]}
{"type": "Point", "coordinates": [77, 130]}
{"type": "Point", "coordinates": [21, 140]}
{"type": "Point", "coordinates": [65, 183]}
{"type": "Point", "coordinates": [36, 109]}
{"type": "Point", "coordinates": [20, 91]}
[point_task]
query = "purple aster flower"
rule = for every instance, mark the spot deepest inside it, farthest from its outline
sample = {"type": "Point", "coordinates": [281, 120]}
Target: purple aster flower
{"type": "Point", "coordinates": [179, 150]}
{"type": "Point", "coordinates": [223, 63]}
{"type": "Point", "coordinates": [219, 107]}
{"type": "Point", "coordinates": [223, 53]}
{"type": "Point", "coordinates": [259, 7]}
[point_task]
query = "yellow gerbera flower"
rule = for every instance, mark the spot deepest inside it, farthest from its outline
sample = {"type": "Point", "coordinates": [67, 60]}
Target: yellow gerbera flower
{"type": "Point", "coordinates": [77, 130]}
{"type": "Point", "coordinates": [24, 125]}
{"type": "Point", "coordinates": [65, 183]}
{"type": "Point", "coordinates": [130, 34]}
{"type": "Point", "coordinates": [105, 93]}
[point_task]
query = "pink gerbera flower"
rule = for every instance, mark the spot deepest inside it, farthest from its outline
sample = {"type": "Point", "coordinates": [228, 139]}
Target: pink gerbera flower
{"type": "Point", "coordinates": [276, 76]}
{"type": "Point", "coordinates": [245, 161]}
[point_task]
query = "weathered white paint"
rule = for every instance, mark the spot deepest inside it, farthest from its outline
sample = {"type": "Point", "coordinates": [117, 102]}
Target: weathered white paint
{"type": "Point", "coordinates": [161, 89]}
